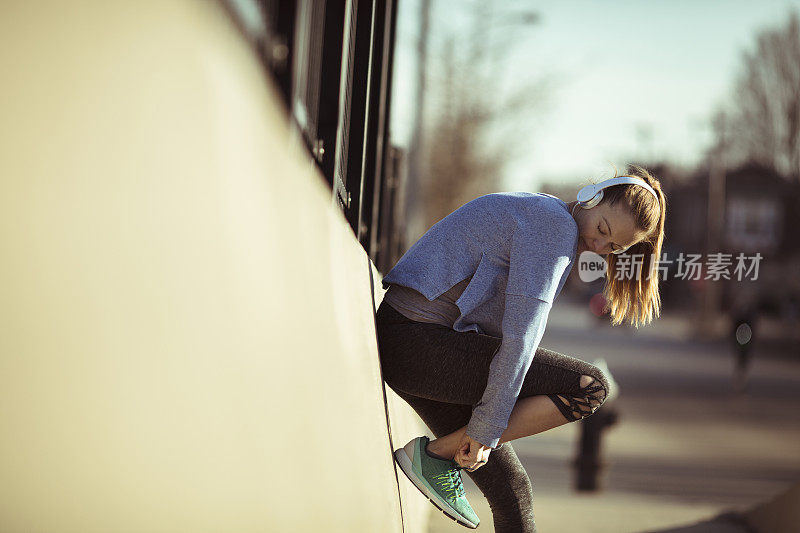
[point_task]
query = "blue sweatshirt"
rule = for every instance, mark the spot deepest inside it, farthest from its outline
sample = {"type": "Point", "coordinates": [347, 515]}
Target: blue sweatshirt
{"type": "Point", "coordinates": [519, 248]}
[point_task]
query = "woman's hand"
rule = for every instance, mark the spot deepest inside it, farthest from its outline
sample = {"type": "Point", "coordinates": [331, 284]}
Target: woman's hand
{"type": "Point", "coordinates": [471, 454]}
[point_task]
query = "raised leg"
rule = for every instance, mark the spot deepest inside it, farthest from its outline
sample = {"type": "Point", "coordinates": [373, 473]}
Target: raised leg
{"type": "Point", "coordinates": [533, 415]}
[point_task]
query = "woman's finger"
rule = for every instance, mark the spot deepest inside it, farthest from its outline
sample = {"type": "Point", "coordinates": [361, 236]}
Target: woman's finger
{"type": "Point", "coordinates": [462, 459]}
{"type": "Point", "coordinates": [468, 461]}
{"type": "Point", "coordinates": [476, 466]}
{"type": "Point", "coordinates": [468, 455]}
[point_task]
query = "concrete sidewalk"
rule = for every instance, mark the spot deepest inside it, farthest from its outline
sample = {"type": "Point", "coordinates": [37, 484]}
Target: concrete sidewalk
{"type": "Point", "coordinates": [602, 513]}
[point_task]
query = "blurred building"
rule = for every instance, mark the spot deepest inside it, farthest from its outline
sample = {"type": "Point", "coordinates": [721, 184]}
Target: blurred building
{"type": "Point", "coordinates": [760, 213]}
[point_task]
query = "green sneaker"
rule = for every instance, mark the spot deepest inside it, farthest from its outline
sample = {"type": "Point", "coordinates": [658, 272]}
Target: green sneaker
{"type": "Point", "coordinates": [438, 479]}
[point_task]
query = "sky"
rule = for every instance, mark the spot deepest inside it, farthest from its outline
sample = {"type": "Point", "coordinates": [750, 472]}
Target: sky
{"type": "Point", "coordinates": [632, 81]}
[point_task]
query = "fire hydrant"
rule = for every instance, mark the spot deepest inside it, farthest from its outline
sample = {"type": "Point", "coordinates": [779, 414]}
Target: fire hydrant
{"type": "Point", "coordinates": [589, 463]}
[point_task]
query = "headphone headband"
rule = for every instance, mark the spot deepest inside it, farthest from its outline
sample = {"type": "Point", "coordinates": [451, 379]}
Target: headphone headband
{"type": "Point", "coordinates": [594, 191]}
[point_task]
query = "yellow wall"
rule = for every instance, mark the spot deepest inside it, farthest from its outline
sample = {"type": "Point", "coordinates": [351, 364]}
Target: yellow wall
{"type": "Point", "coordinates": [186, 329]}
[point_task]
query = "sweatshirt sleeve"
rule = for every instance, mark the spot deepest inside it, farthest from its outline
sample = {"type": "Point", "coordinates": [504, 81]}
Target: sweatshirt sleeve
{"type": "Point", "coordinates": [537, 262]}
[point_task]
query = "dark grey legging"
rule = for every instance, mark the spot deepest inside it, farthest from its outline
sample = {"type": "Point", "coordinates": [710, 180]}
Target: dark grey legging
{"type": "Point", "coordinates": [442, 374]}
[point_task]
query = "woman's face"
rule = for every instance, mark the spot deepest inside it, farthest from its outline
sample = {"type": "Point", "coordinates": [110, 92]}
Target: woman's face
{"type": "Point", "coordinates": [603, 229]}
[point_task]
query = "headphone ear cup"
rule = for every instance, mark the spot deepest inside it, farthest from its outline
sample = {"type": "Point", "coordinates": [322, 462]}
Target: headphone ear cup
{"type": "Point", "coordinates": [590, 195]}
{"type": "Point", "coordinates": [593, 201]}
{"type": "Point", "coordinates": [596, 199]}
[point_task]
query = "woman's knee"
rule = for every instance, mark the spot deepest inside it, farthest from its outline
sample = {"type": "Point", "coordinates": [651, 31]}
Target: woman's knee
{"type": "Point", "coordinates": [595, 389]}
{"type": "Point", "coordinates": [592, 392]}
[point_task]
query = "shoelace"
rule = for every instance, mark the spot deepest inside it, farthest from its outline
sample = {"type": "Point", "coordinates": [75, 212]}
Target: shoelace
{"type": "Point", "coordinates": [450, 480]}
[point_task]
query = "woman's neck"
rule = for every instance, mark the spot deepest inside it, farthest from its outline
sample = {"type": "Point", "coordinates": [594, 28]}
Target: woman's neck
{"type": "Point", "coordinates": [573, 208]}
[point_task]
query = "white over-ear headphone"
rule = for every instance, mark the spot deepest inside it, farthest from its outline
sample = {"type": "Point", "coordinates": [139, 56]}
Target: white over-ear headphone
{"type": "Point", "coordinates": [592, 194]}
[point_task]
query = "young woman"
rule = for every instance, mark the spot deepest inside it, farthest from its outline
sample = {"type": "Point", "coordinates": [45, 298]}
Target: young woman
{"type": "Point", "coordinates": [459, 329]}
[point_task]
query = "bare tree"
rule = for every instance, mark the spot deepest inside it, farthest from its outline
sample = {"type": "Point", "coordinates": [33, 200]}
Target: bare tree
{"type": "Point", "coordinates": [482, 108]}
{"type": "Point", "coordinates": [763, 123]}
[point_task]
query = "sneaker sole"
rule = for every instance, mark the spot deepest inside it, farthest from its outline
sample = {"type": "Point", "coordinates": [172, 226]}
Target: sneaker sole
{"type": "Point", "coordinates": [405, 465]}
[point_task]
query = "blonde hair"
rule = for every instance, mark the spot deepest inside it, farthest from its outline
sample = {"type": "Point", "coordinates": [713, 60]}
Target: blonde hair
{"type": "Point", "coordinates": [637, 299]}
